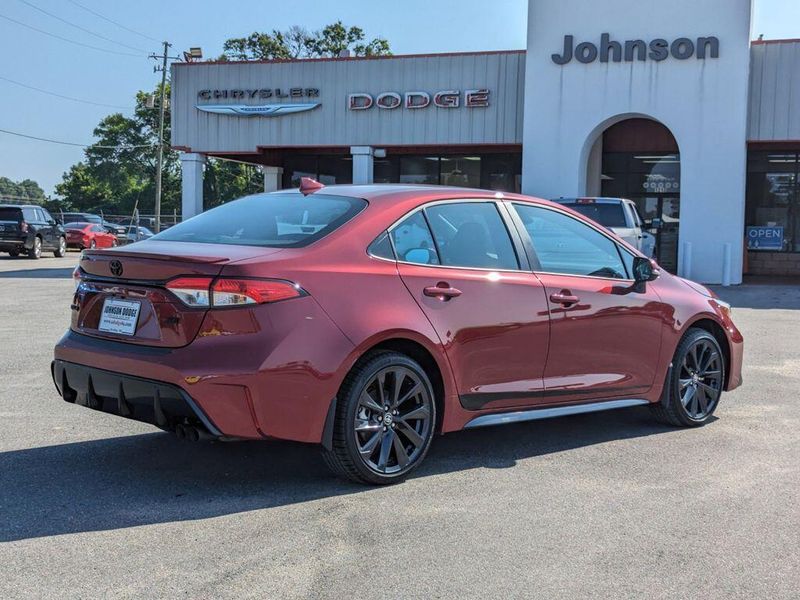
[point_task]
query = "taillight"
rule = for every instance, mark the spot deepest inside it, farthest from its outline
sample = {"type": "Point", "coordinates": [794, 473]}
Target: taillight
{"type": "Point", "coordinates": [231, 292]}
{"type": "Point", "coordinates": [199, 291]}
{"type": "Point", "coordinates": [23, 227]}
{"type": "Point", "coordinates": [192, 291]}
{"type": "Point", "coordinates": [76, 276]}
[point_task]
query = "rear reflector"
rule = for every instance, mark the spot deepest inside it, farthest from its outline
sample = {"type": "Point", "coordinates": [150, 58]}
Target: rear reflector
{"type": "Point", "coordinates": [199, 291]}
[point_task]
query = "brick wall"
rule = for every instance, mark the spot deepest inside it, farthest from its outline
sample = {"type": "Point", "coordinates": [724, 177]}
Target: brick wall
{"type": "Point", "coordinates": [773, 263]}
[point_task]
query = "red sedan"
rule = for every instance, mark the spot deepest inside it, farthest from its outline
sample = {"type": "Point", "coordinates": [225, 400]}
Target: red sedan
{"type": "Point", "coordinates": [89, 235]}
{"type": "Point", "coordinates": [368, 318]}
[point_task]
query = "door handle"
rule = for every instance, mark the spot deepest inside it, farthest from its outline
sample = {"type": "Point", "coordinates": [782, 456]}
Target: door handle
{"type": "Point", "coordinates": [564, 297]}
{"type": "Point", "coordinates": [442, 291]}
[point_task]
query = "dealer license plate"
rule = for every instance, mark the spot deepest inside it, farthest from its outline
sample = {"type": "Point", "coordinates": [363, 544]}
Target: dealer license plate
{"type": "Point", "coordinates": [119, 316]}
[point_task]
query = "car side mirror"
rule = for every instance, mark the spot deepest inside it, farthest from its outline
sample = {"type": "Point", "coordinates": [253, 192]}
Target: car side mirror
{"type": "Point", "coordinates": [643, 270]}
{"type": "Point", "coordinates": [421, 256]}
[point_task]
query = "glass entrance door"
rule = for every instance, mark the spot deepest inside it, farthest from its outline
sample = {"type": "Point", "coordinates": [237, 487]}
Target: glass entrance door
{"type": "Point", "coordinates": [661, 215]}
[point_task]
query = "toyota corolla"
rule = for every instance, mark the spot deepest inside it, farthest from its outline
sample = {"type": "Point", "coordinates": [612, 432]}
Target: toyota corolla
{"type": "Point", "coordinates": [368, 319]}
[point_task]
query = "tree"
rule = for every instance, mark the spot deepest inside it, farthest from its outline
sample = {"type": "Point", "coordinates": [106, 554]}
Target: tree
{"type": "Point", "coordinates": [26, 190]}
{"type": "Point", "coordinates": [297, 42]}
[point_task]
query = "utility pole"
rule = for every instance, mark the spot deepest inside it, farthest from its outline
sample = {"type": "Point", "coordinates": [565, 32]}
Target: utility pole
{"type": "Point", "coordinates": [161, 108]}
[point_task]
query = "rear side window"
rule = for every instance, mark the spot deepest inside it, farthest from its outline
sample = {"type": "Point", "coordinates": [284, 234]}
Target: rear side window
{"type": "Point", "coordinates": [270, 220]}
{"type": "Point", "coordinates": [10, 214]}
{"type": "Point", "coordinates": [562, 244]}
{"type": "Point", "coordinates": [29, 214]}
{"type": "Point", "coordinates": [413, 241]}
{"type": "Point", "coordinates": [471, 234]}
{"type": "Point", "coordinates": [607, 215]}
{"type": "Point", "coordinates": [381, 247]}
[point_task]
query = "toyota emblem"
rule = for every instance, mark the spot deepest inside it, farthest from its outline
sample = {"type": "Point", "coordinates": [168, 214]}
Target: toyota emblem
{"type": "Point", "coordinates": [116, 268]}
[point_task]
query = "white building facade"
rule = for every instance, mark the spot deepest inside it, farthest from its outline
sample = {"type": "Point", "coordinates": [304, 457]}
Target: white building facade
{"type": "Point", "coordinates": [668, 103]}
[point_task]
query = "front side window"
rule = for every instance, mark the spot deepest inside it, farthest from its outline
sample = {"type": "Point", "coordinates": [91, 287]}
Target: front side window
{"type": "Point", "coordinates": [29, 214]}
{"type": "Point", "coordinates": [268, 220]}
{"type": "Point", "coordinates": [413, 242]}
{"type": "Point", "coordinates": [564, 245]}
{"type": "Point", "coordinates": [472, 234]}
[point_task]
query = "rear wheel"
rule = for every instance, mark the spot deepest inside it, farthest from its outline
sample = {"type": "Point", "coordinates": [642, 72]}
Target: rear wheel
{"type": "Point", "coordinates": [694, 384]}
{"type": "Point", "coordinates": [93, 244]}
{"type": "Point", "coordinates": [385, 420]}
{"type": "Point", "coordinates": [36, 250]}
{"type": "Point", "coordinates": [114, 243]}
{"type": "Point", "coordinates": [61, 250]}
{"type": "Point", "coordinates": [14, 253]}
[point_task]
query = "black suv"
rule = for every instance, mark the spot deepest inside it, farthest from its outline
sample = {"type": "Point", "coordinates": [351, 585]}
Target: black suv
{"type": "Point", "coordinates": [30, 229]}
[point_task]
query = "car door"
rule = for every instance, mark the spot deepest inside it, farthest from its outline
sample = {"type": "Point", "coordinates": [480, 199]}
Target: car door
{"type": "Point", "coordinates": [101, 236]}
{"type": "Point", "coordinates": [470, 278]}
{"type": "Point", "coordinates": [50, 229]}
{"type": "Point", "coordinates": [605, 330]}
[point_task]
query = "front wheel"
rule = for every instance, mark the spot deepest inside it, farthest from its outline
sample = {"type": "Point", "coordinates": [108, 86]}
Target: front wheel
{"type": "Point", "coordinates": [694, 383]}
{"type": "Point", "coordinates": [385, 420]}
{"type": "Point", "coordinates": [36, 250]}
{"type": "Point", "coordinates": [61, 251]}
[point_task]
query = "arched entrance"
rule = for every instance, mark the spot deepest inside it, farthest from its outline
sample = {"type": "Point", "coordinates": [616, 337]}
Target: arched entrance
{"type": "Point", "coordinates": [638, 158]}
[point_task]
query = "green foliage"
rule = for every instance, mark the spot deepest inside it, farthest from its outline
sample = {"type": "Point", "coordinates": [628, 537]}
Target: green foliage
{"type": "Point", "coordinates": [298, 42]}
{"type": "Point", "coordinates": [26, 190]}
{"type": "Point", "coordinates": [226, 180]}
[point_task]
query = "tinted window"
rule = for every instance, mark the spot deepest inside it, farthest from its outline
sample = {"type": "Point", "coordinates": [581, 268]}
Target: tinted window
{"type": "Point", "coordinates": [47, 216]}
{"type": "Point", "coordinates": [413, 241]}
{"type": "Point", "coordinates": [382, 247]}
{"type": "Point", "coordinates": [29, 214]}
{"type": "Point", "coordinates": [98, 229]}
{"type": "Point", "coordinates": [471, 234]}
{"type": "Point", "coordinates": [270, 220]}
{"type": "Point", "coordinates": [565, 245]}
{"type": "Point", "coordinates": [607, 215]}
{"type": "Point", "coordinates": [74, 225]}
{"type": "Point", "coordinates": [10, 214]}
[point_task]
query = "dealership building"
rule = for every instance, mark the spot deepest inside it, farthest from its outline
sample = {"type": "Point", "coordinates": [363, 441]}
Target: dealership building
{"type": "Point", "coordinates": [669, 103]}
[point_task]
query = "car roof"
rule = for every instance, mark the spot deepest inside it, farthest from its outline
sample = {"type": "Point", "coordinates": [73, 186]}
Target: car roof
{"type": "Point", "coordinates": [595, 199]}
{"type": "Point", "coordinates": [84, 223]}
{"type": "Point", "coordinates": [20, 206]}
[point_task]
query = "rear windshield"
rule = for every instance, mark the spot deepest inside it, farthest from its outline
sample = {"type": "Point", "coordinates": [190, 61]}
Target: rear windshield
{"type": "Point", "coordinates": [607, 215]}
{"type": "Point", "coordinates": [270, 220]}
{"type": "Point", "coordinates": [75, 225]}
{"type": "Point", "coordinates": [10, 214]}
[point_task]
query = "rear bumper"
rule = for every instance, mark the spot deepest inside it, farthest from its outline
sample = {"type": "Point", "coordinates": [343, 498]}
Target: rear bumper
{"type": "Point", "coordinates": [155, 402]}
{"type": "Point", "coordinates": [7, 245]}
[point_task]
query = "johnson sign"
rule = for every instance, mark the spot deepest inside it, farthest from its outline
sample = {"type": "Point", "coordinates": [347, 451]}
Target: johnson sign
{"type": "Point", "coordinates": [477, 98]}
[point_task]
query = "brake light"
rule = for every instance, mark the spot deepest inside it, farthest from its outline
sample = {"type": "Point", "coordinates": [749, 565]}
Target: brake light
{"type": "Point", "coordinates": [232, 292]}
{"type": "Point", "coordinates": [199, 291]}
{"type": "Point", "coordinates": [76, 276]}
{"type": "Point", "coordinates": [23, 227]}
{"type": "Point", "coordinates": [192, 291]}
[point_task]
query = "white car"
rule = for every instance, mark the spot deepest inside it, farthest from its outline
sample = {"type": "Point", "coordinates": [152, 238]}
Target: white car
{"type": "Point", "coordinates": [620, 215]}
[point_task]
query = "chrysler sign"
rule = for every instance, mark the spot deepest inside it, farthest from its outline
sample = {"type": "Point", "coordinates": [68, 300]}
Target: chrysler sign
{"type": "Point", "coordinates": [416, 100]}
{"type": "Point", "coordinates": [273, 109]}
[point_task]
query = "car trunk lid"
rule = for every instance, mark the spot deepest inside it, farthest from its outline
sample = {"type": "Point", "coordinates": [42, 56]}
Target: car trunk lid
{"type": "Point", "coordinates": [134, 278]}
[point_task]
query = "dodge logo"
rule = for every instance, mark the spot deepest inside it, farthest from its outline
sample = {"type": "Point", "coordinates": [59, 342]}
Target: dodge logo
{"type": "Point", "coordinates": [116, 268]}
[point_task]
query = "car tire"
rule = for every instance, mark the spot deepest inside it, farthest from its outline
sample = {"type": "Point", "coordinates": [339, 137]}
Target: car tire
{"type": "Point", "coordinates": [36, 250]}
{"type": "Point", "coordinates": [14, 253]}
{"type": "Point", "coordinates": [374, 445]}
{"type": "Point", "coordinates": [61, 250]}
{"type": "Point", "coordinates": [694, 382]}
{"type": "Point", "coordinates": [93, 244]}
{"type": "Point", "coordinates": [114, 243]}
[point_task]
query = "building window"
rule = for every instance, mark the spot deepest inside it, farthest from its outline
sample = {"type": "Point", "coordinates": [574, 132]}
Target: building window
{"type": "Point", "coordinates": [325, 168]}
{"type": "Point", "coordinates": [773, 197]}
{"type": "Point", "coordinates": [461, 171]}
{"type": "Point", "coordinates": [419, 169]}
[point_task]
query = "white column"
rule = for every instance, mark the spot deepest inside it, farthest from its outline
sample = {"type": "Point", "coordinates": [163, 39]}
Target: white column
{"type": "Point", "coordinates": [273, 177]}
{"type": "Point", "coordinates": [362, 164]}
{"type": "Point", "coordinates": [192, 184]}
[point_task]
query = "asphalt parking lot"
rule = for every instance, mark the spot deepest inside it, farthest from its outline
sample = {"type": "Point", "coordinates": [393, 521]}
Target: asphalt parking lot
{"type": "Point", "coordinates": [603, 505]}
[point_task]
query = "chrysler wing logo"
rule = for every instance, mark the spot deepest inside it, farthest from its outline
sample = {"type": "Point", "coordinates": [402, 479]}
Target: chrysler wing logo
{"type": "Point", "coordinates": [260, 110]}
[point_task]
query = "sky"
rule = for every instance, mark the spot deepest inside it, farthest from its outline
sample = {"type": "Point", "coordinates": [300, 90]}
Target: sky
{"type": "Point", "coordinates": [35, 59]}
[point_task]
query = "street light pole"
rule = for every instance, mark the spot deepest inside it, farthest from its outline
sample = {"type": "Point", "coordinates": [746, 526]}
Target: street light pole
{"type": "Point", "coordinates": [160, 163]}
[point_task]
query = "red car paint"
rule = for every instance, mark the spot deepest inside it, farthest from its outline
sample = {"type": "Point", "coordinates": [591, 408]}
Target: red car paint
{"type": "Point", "coordinates": [272, 370]}
{"type": "Point", "coordinates": [81, 235]}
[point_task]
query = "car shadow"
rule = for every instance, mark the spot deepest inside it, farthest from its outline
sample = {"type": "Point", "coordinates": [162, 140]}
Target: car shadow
{"type": "Point", "coordinates": [154, 478]}
{"type": "Point", "coordinates": [54, 273]}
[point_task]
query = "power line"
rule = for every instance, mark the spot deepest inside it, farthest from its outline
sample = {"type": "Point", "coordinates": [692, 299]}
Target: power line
{"type": "Point", "coordinates": [41, 139]}
{"type": "Point", "coordinates": [30, 87]}
{"type": "Point", "coordinates": [67, 39]}
{"type": "Point", "coordinates": [112, 21]}
{"type": "Point", "coordinates": [89, 31]}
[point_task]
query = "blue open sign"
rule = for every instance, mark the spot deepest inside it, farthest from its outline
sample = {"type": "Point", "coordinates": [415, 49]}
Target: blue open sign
{"type": "Point", "coordinates": [765, 238]}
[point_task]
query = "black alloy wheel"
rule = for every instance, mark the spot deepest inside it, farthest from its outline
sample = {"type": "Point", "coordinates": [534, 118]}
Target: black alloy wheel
{"type": "Point", "coordinates": [695, 382]}
{"type": "Point", "coordinates": [385, 420]}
